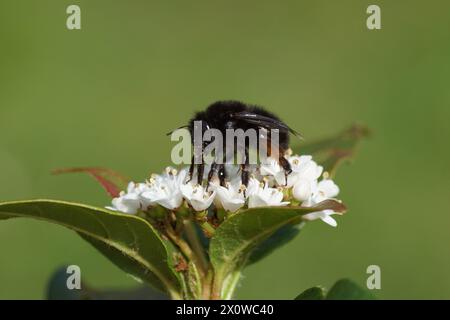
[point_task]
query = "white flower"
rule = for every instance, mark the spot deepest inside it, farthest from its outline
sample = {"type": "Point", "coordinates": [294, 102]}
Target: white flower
{"type": "Point", "coordinates": [324, 215]}
{"type": "Point", "coordinates": [305, 168]}
{"type": "Point", "coordinates": [264, 196]}
{"type": "Point", "coordinates": [165, 189]}
{"type": "Point", "coordinates": [127, 202]}
{"type": "Point", "coordinates": [253, 187]}
{"type": "Point", "coordinates": [271, 168]}
{"type": "Point", "coordinates": [197, 196]}
{"type": "Point", "coordinates": [324, 190]}
{"type": "Point", "coordinates": [231, 198]}
{"type": "Point", "coordinates": [306, 172]}
{"type": "Point", "coordinates": [169, 189]}
{"type": "Point", "coordinates": [303, 189]}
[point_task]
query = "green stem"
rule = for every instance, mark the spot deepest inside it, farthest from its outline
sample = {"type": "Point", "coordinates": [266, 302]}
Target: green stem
{"type": "Point", "coordinates": [197, 247]}
{"type": "Point", "coordinates": [182, 245]}
{"type": "Point", "coordinates": [207, 228]}
{"type": "Point", "coordinates": [230, 284]}
{"type": "Point", "coordinates": [202, 220]}
{"type": "Point", "coordinates": [174, 294]}
{"type": "Point", "coordinates": [225, 281]}
{"type": "Point", "coordinates": [207, 284]}
{"type": "Point", "coordinates": [216, 289]}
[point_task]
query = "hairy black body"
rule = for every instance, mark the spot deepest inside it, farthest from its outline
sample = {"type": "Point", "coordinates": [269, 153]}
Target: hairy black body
{"type": "Point", "coordinates": [223, 115]}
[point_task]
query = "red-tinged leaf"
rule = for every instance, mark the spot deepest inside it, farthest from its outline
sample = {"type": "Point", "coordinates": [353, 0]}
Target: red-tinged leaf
{"type": "Point", "coordinates": [330, 204]}
{"type": "Point", "coordinates": [332, 152]}
{"type": "Point", "coordinates": [113, 182]}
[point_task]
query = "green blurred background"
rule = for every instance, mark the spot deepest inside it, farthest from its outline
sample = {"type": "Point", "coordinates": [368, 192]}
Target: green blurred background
{"type": "Point", "coordinates": [107, 94]}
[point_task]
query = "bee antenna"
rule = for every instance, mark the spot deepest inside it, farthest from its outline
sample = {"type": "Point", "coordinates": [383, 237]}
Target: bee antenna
{"type": "Point", "coordinates": [182, 127]}
{"type": "Point", "coordinates": [297, 134]}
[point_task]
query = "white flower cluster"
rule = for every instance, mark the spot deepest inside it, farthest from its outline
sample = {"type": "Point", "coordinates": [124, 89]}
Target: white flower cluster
{"type": "Point", "coordinates": [265, 188]}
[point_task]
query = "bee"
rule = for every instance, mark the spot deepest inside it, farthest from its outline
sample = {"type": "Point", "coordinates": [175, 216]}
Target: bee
{"type": "Point", "coordinates": [225, 115]}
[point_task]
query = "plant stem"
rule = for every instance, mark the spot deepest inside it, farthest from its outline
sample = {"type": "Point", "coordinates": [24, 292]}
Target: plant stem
{"type": "Point", "coordinates": [207, 284]}
{"type": "Point", "coordinates": [174, 295]}
{"type": "Point", "coordinates": [230, 284]}
{"type": "Point", "coordinates": [207, 228]}
{"type": "Point", "coordinates": [182, 245]}
{"type": "Point", "coordinates": [216, 289]}
{"type": "Point", "coordinates": [197, 247]}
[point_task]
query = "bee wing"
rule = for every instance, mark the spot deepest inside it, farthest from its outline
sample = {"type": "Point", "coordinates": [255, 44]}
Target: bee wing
{"type": "Point", "coordinates": [182, 127]}
{"type": "Point", "coordinates": [269, 143]}
{"type": "Point", "coordinates": [265, 122]}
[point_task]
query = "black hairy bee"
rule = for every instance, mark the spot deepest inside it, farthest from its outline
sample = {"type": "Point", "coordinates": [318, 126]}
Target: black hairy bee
{"type": "Point", "coordinates": [223, 115]}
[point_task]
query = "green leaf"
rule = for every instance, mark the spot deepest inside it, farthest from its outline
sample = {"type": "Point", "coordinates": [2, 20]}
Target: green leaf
{"type": "Point", "coordinates": [194, 281]}
{"type": "Point", "coordinates": [57, 287]}
{"type": "Point", "coordinates": [275, 241]}
{"type": "Point", "coordinates": [314, 293]}
{"type": "Point", "coordinates": [112, 181]}
{"type": "Point", "coordinates": [283, 235]}
{"type": "Point", "coordinates": [332, 152]}
{"type": "Point", "coordinates": [346, 289]}
{"type": "Point", "coordinates": [57, 290]}
{"type": "Point", "coordinates": [238, 235]}
{"type": "Point", "coordinates": [128, 241]}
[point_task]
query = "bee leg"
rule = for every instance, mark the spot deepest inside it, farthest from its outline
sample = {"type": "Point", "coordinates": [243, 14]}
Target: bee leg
{"type": "Point", "coordinates": [245, 174]}
{"type": "Point", "coordinates": [211, 174]}
{"type": "Point", "coordinates": [200, 172]}
{"type": "Point", "coordinates": [245, 169]}
{"type": "Point", "coordinates": [191, 170]}
{"type": "Point", "coordinates": [222, 174]}
{"type": "Point", "coordinates": [286, 166]}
